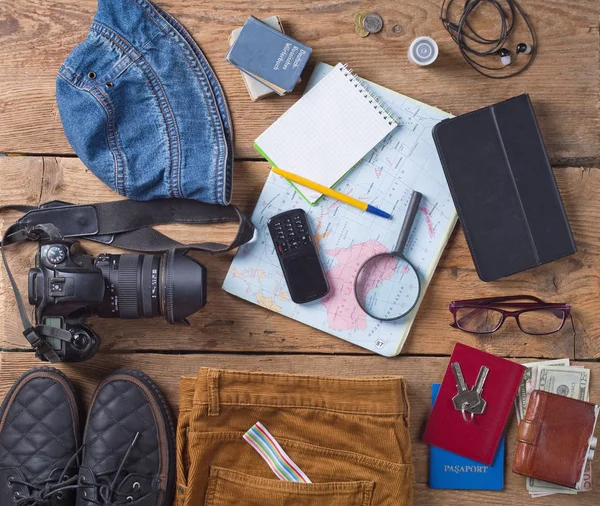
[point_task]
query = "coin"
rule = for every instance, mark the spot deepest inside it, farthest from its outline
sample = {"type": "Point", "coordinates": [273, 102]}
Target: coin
{"type": "Point", "coordinates": [361, 32]}
{"type": "Point", "coordinates": [373, 23]}
{"type": "Point", "coordinates": [358, 24]}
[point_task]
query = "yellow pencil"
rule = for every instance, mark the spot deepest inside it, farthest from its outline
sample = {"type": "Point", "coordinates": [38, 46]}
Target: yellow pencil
{"type": "Point", "coordinates": [331, 193]}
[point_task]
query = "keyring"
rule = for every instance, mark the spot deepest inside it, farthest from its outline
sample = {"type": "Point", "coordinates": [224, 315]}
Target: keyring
{"type": "Point", "coordinates": [463, 413]}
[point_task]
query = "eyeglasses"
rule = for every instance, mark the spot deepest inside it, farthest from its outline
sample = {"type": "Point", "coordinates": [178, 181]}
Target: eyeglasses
{"type": "Point", "coordinates": [533, 315]}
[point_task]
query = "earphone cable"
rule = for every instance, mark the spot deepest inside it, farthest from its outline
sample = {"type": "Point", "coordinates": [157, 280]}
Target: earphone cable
{"type": "Point", "coordinates": [462, 32]}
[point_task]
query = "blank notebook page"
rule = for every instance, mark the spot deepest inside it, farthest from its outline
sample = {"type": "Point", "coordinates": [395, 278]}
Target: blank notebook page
{"type": "Point", "coordinates": [328, 131]}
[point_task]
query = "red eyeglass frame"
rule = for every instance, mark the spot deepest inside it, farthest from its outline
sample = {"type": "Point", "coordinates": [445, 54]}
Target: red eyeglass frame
{"type": "Point", "coordinates": [499, 303]}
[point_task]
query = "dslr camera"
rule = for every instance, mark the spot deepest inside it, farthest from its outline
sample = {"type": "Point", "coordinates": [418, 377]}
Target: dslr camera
{"type": "Point", "coordinates": [66, 286]}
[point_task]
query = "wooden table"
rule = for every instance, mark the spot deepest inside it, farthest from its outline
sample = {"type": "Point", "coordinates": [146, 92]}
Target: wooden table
{"type": "Point", "coordinates": [36, 36]}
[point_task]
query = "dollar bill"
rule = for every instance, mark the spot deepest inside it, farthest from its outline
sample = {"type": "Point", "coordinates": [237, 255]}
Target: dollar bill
{"type": "Point", "coordinates": [541, 488]}
{"type": "Point", "coordinates": [538, 488]}
{"type": "Point", "coordinates": [586, 485]}
{"type": "Point", "coordinates": [571, 382]}
{"type": "Point", "coordinates": [528, 383]}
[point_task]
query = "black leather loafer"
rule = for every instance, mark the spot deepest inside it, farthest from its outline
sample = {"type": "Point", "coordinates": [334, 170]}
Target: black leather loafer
{"type": "Point", "coordinates": [39, 439]}
{"type": "Point", "coordinates": [128, 445]}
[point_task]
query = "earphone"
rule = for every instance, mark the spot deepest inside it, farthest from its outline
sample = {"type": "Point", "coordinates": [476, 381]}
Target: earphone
{"type": "Point", "coordinates": [465, 37]}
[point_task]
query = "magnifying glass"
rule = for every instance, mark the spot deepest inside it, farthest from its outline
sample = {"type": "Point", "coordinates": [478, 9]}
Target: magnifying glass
{"type": "Point", "coordinates": [387, 285]}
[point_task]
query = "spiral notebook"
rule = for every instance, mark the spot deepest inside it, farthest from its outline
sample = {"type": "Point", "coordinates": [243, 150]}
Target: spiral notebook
{"type": "Point", "coordinates": [327, 132]}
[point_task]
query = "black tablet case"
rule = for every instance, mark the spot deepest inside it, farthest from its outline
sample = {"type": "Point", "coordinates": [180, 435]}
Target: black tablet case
{"type": "Point", "coordinates": [503, 188]}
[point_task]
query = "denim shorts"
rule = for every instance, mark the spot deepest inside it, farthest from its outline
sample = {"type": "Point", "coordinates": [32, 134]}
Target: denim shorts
{"type": "Point", "coordinates": [350, 436]}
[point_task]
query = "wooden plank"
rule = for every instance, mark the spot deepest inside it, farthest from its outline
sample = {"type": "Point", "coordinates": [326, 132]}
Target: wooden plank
{"type": "Point", "coordinates": [37, 36]}
{"type": "Point", "coordinates": [21, 184]}
{"type": "Point", "coordinates": [420, 373]}
{"type": "Point", "coordinates": [230, 324]}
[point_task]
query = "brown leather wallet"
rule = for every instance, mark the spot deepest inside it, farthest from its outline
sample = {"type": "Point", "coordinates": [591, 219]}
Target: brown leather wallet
{"type": "Point", "coordinates": [555, 439]}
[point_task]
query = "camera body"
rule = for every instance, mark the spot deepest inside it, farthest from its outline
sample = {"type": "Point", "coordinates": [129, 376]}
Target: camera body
{"type": "Point", "coordinates": [66, 286]}
{"type": "Point", "coordinates": [62, 287]}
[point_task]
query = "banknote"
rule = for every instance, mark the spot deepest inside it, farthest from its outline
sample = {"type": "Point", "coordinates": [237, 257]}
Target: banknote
{"type": "Point", "coordinates": [538, 488]}
{"type": "Point", "coordinates": [571, 382]}
{"type": "Point", "coordinates": [528, 383]}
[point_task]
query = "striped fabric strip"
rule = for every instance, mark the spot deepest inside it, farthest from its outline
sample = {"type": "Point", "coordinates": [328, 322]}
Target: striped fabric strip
{"type": "Point", "coordinates": [273, 454]}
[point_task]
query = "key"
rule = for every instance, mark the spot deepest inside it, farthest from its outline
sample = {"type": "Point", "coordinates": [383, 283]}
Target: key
{"type": "Point", "coordinates": [478, 387]}
{"type": "Point", "coordinates": [465, 399]}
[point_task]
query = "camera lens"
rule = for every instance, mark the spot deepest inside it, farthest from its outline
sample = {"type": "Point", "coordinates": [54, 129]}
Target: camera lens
{"type": "Point", "coordinates": [131, 285]}
{"type": "Point", "coordinates": [185, 286]}
{"type": "Point", "coordinates": [145, 286]}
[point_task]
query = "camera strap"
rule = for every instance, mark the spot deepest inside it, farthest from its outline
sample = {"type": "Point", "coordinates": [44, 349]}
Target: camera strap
{"type": "Point", "coordinates": [128, 224]}
{"type": "Point", "coordinates": [125, 224]}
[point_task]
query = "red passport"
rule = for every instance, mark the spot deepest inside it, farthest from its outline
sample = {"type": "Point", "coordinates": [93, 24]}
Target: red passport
{"type": "Point", "coordinates": [479, 439]}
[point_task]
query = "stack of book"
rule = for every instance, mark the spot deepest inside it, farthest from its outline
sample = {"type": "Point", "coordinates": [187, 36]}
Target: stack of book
{"type": "Point", "coordinates": [267, 56]}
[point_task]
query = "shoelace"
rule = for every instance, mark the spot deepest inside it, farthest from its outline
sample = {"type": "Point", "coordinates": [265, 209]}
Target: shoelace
{"type": "Point", "coordinates": [40, 492]}
{"type": "Point", "coordinates": [107, 488]}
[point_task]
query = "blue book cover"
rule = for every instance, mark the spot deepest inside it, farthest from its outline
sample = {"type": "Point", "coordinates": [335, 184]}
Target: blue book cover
{"type": "Point", "coordinates": [269, 55]}
{"type": "Point", "coordinates": [450, 471]}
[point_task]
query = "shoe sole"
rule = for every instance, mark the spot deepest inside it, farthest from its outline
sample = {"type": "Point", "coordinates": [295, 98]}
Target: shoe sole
{"type": "Point", "coordinates": [165, 412]}
{"type": "Point", "coordinates": [69, 390]}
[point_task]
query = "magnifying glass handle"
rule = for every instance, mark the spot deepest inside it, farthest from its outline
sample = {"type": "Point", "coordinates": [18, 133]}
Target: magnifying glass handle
{"type": "Point", "coordinates": [411, 213]}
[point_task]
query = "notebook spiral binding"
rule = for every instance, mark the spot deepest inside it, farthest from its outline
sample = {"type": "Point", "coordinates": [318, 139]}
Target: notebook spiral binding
{"type": "Point", "coordinates": [379, 106]}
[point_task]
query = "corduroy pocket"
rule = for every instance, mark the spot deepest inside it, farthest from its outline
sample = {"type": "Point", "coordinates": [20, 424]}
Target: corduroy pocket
{"type": "Point", "coordinates": [227, 487]}
{"type": "Point", "coordinates": [229, 451]}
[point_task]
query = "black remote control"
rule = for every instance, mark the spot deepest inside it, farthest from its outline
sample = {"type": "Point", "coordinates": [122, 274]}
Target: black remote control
{"type": "Point", "coordinates": [298, 256]}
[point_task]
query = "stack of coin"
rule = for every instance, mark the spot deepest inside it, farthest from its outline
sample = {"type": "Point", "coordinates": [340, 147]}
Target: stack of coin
{"type": "Point", "coordinates": [358, 24]}
{"type": "Point", "coordinates": [366, 23]}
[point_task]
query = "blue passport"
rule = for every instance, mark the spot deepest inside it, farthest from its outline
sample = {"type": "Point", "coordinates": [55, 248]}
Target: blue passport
{"type": "Point", "coordinates": [450, 471]}
{"type": "Point", "coordinates": [268, 55]}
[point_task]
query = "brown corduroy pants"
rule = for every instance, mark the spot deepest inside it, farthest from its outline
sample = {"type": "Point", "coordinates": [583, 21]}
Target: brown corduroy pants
{"type": "Point", "coordinates": [349, 435]}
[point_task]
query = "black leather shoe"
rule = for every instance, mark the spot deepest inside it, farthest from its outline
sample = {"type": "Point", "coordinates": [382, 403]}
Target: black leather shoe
{"type": "Point", "coordinates": [39, 438]}
{"type": "Point", "coordinates": [128, 445]}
